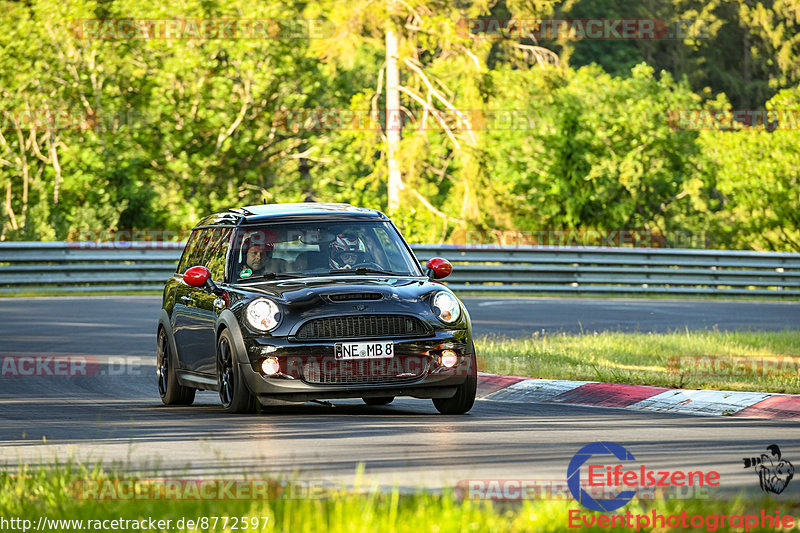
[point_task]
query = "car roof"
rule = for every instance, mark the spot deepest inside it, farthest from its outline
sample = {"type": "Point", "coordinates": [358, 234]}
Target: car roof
{"type": "Point", "coordinates": [291, 212]}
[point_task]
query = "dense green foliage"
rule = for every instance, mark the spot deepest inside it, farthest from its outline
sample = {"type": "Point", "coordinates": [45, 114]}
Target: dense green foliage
{"type": "Point", "coordinates": [166, 130]}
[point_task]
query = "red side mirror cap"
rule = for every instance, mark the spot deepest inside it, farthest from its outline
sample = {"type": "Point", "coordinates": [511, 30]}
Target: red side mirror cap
{"type": "Point", "coordinates": [197, 276]}
{"type": "Point", "coordinates": [439, 268]}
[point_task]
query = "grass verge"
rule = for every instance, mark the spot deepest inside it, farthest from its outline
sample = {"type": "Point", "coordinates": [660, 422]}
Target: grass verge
{"type": "Point", "coordinates": [738, 360]}
{"type": "Point", "coordinates": [55, 493]}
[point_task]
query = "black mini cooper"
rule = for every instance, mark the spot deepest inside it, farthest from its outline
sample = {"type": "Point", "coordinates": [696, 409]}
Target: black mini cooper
{"type": "Point", "coordinates": [311, 301]}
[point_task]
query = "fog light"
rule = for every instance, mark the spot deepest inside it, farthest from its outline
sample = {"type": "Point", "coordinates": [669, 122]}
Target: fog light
{"type": "Point", "coordinates": [449, 358]}
{"type": "Point", "coordinates": [271, 366]}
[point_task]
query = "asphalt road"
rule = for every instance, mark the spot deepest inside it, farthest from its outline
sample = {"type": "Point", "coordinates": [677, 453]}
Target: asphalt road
{"type": "Point", "coordinates": [517, 317]}
{"type": "Point", "coordinates": [116, 415]}
{"type": "Point", "coordinates": [126, 326]}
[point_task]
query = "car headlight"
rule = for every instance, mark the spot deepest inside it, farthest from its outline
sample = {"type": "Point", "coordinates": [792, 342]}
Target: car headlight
{"type": "Point", "coordinates": [262, 315]}
{"type": "Point", "coordinates": [446, 307]}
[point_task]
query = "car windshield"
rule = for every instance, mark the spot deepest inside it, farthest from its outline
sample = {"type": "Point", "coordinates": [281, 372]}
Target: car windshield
{"type": "Point", "coordinates": [276, 251]}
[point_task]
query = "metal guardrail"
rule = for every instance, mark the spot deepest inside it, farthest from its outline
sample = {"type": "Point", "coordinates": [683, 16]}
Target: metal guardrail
{"type": "Point", "coordinates": [85, 267]}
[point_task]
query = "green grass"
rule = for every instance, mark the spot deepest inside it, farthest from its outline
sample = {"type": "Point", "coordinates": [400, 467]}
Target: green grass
{"type": "Point", "coordinates": [653, 359]}
{"type": "Point", "coordinates": [46, 491]}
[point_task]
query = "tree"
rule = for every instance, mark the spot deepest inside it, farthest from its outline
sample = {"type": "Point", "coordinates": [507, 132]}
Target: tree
{"type": "Point", "coordinates": [757, 175]}
{"type": "Point", "coordinates": [173, 127]}
{"type": "Point", "coordinates": [602, 153]}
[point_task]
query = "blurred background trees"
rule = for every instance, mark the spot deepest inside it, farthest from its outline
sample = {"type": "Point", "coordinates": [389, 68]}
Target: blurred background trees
{"type": "Point", "coordinates": [496, 133]}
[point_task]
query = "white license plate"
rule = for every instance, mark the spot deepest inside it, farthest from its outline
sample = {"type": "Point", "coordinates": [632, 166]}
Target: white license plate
{"type": "Point", "coordinates": [364, 350]}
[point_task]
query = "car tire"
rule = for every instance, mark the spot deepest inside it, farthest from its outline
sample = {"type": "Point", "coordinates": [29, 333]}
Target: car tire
{"type": "Point", "coordinates": [379, 400]}
{"type": "Point", "coordinates": [464, 397]}
{"type": "Point", "coordinates": [233, 392]}
{"type": "Point", "coordinates": [171, 392]}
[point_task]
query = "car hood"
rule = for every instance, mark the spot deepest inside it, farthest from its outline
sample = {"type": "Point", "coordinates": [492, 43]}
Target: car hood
{"type": "Point", "coordinates": [306, 298]}
{"type": "Point", "coordinates": [328, 288]}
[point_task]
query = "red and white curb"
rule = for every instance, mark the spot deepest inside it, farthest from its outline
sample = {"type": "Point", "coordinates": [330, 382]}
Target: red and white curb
{"type": "Point", "coordinates": [639, 397]}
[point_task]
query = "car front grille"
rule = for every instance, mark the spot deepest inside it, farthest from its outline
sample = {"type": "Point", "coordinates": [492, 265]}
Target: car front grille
{"type": "Point", "coordinates": [364, 371]}
{"type": "Point", "coordinates": [362, 326]}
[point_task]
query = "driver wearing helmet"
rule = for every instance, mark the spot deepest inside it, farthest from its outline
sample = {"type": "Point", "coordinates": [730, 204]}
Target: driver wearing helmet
{"type": "Point", "coordinates": [346, 251]}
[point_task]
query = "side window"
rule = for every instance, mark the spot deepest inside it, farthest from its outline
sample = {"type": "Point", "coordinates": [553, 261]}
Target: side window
{"type": "Point", "coordinates": [191, 245]}
{"type": "Point", "coordinates": [215, 257]}
{"type": "Point", "coordinates": [196, 256]}
{"type": "Point", "coordinates": [239, 253]}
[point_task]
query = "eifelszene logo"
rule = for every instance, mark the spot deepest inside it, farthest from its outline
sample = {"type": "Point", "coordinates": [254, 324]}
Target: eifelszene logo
{"type": "Point", "coordinates": [774, 473]}
{"type": "Point", "coordinates": [574, 476]}
{"type": "Point", "coordinates": [611, 478]}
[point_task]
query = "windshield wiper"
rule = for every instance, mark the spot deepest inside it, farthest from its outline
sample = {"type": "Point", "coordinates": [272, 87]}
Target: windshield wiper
{"type": "Point", "coordinates": [273, 275]}
{"type": "Point", "coordinates": [363, 270]}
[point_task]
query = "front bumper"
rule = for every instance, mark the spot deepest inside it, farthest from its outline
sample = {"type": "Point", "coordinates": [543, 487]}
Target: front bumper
{"type": "Point", "coordinates": [310, 370]}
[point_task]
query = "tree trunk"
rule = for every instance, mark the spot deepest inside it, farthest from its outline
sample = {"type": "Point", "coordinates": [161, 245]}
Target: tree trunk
{"type": "Point", "coordinates": [23, 162]}
{"type": "Point", "coordinates": [56, 167]}
{"type": "Point", "coordinates": [393, 121]}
